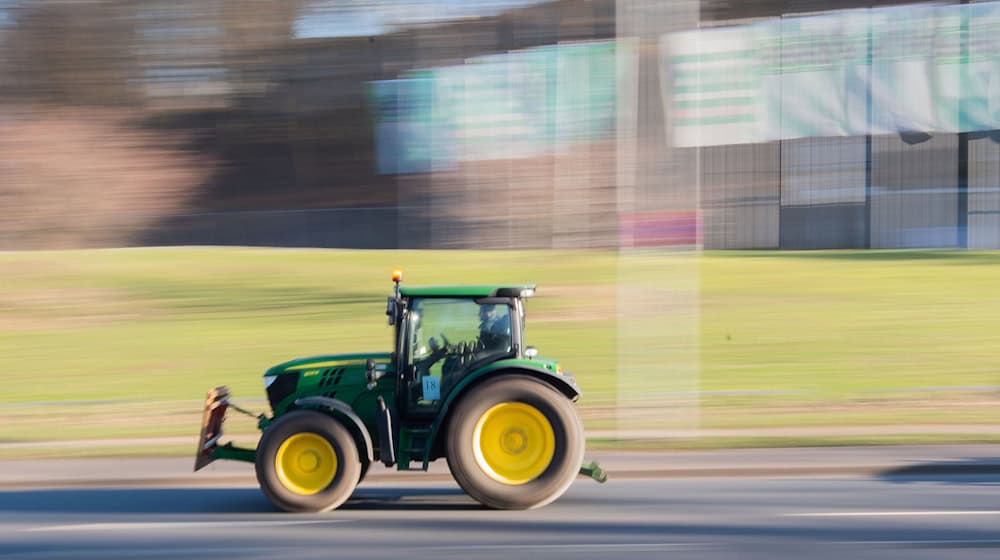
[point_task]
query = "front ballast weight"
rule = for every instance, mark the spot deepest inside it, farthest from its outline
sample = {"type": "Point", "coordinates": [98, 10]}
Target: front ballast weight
{"type": "Point", "coordinates": [217, 402]}
{"type": "Point", "coordinates": [502, 416]}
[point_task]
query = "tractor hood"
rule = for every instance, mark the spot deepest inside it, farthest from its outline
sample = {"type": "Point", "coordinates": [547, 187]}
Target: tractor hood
{"type": "Point", "coordinates": [335, 376]}
{"type": "Point", "coordinates": [327, 361]}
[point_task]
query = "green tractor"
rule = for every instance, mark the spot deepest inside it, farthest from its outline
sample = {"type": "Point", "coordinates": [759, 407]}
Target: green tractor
{"type": "Point", "coordinates": [459, 384]}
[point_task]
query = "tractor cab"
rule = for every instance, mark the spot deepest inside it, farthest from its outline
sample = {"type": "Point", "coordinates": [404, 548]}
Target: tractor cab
{"type": "Point", "coordinates": [443, 333]}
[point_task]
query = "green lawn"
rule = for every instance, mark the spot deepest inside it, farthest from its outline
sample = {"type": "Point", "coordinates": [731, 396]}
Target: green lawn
{"type": "Point", "coordinates": [845, 322]}
{"type": "Point", "coordinates": [115, 343]}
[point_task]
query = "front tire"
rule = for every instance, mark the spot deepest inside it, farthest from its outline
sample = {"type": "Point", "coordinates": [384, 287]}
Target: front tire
{"type": "Point", "coordinates": [307, 462]}
{"type": "Point", "coordinates": [515, 443]}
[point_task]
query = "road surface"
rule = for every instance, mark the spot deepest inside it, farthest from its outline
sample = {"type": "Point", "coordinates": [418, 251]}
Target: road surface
{"type": "Point", "coordinates": [920, 515]}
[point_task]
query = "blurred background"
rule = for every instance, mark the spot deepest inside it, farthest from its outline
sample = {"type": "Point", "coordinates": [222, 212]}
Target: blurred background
{"type": "Point", "coordinates": [658, 167]}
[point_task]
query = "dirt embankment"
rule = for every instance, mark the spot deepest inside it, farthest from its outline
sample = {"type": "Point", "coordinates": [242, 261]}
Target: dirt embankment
{"type": "Point", "coordinates": [89, 177]}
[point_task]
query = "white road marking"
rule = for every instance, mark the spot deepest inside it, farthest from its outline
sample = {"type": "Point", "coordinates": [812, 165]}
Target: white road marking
{"type": "Point", "coordinates": [955, 542]}
{"type": "Point", "coordinates": [221, 551]}
{"type": "Point", "coordinates": [577, 546]}
{"type": "Point", "coordinates": [155, 525]}
{"type": "Point", "coordinates": [892, 513]}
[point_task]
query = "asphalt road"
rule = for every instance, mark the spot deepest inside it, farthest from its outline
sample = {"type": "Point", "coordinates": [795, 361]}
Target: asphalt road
{"type": "Point", "coordinates": [913, 517]}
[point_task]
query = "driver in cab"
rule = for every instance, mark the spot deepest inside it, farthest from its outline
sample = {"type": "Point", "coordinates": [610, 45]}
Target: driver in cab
{"type": "Point", "coordinates": [494, 328]}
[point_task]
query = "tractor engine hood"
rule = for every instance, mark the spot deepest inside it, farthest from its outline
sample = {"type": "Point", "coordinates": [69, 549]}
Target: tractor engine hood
{"type": "Point", "coordinates": [329, 375]}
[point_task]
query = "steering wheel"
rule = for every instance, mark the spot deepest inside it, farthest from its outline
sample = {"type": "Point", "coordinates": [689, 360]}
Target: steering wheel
{"type": "Point", "coordinates": [437, 351]}
{"type": "Point", "coordinates": [444, 339]}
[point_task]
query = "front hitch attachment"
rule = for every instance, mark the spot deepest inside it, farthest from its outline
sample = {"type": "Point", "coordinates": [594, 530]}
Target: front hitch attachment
{"type": "Point", "coordinates": [593, 470]}
{"type": "Point", "coordinates": [216, 403]}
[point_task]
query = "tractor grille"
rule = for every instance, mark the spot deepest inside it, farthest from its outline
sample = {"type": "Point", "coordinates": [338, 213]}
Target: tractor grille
{"type": "Point", "coordinates": [282, 387]}
{"type": "Point", "coordinates": [331, 377]}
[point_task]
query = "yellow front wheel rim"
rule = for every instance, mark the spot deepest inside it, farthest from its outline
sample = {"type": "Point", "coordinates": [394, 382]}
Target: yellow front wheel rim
{"type": "Point", "coordinates": [306, 463]}
{"type": "Point", "coordinates": [513, 442]}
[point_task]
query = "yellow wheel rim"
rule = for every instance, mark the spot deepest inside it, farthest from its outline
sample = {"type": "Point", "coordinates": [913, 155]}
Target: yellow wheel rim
{"type": "Point", "coordinates": [306, 463]}
{"type": "Point", "coordinates": [513, 443]}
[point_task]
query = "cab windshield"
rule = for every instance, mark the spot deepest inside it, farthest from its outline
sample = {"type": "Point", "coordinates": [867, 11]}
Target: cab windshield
{"type": "Point", "coordinates": [451, 336]}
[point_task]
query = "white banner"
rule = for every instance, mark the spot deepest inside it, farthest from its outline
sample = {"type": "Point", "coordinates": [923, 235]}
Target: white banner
{"type": "Point", "coordinates": [927, 68]}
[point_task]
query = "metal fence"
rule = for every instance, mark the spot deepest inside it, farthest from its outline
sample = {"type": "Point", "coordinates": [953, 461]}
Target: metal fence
{"type": "Point", "coordinates": [363, 228]}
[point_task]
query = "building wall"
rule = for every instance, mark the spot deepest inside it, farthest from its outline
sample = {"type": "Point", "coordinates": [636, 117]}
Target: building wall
{"type": "Point", "coordinates": [823, 193]}
{"type": "Point", "coordinates": [914, 192]}
{"type": "Point", "coordinates": [984, 194]}
{"type": "Point", "coordinates": [740, 196]}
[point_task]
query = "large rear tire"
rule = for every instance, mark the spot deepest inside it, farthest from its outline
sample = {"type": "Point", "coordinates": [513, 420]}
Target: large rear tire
{"type": "Point", "coordinates": [307, 462]}
{"type": "Point", "coordinates": [515, 443]}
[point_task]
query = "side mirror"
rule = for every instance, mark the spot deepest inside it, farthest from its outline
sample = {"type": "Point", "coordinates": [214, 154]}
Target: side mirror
{"type": "Point", "coordinates": [390, 310]}
{"type": "Point", "coordinates": [530, 352]}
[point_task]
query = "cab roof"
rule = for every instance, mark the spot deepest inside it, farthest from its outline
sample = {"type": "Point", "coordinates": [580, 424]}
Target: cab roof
{"type": "Point", "coordinates": [469, 290]}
